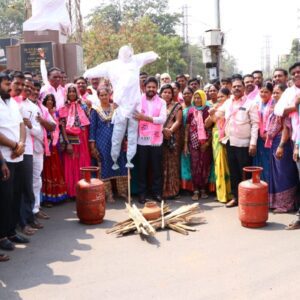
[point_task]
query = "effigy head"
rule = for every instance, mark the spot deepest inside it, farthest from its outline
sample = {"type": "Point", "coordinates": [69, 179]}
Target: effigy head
{"type": "Point", "coordinates": [125, 53]}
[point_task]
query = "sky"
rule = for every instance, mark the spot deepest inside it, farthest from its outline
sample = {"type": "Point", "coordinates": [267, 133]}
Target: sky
{"type": "Point", "coordinates": [245, 24]}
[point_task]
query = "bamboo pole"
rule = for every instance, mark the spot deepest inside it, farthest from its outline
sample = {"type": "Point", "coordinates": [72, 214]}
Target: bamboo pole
{"type": "Point", "coordinates": [129, 187]}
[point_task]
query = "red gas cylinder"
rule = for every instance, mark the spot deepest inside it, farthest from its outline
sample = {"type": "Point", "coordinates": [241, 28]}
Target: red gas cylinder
{"type": "Point", "coordinates": [253, 200]}
{"type": "Point", "coordinates": [90, 197]}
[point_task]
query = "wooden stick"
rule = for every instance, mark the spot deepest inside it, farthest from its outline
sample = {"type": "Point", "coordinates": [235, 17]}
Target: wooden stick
{"type": "Point", "coordinates": [129, 187]}
{"type": "Point", "coordinates": [162, 215]}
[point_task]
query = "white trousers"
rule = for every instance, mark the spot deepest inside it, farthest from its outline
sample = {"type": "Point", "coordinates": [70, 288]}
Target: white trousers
{"type": "Point", "coordinates": [38, 162]}
{"type": "Point", "coordinates": [121, 125]}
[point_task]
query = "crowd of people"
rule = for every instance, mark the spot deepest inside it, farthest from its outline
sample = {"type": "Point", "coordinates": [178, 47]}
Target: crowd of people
{"type": "Point", "coordinates": [191, 139]}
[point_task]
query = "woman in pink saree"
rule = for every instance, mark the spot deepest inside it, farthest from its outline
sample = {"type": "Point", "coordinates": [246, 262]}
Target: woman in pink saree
{"type": "Point", "coordinates": [74, 124]}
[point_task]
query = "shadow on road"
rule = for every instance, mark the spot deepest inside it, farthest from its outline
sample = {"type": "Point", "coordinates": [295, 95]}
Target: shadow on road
{"type": "Point", "coordinates": [272, 226]}
{"type": "Point", "coordinates": [30, 266]}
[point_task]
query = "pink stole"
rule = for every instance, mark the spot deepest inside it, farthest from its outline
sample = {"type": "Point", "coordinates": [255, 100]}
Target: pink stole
{"type": "Point", "coordinates": [148, 130]}
{"type": "Point", "coordinates": [18, 99]}
{"type": "Point", "coordinates": [45, 115]}
{"type": "Point", "coordinates": [55, 134]}
{"type": "Point", "coordinates": [295, 118]}
{"type": "Point", "coordinates": [198, 116]}
{"type": "Point", "coordinates": [69, 112]}
{"type": "Point", "coordinates": [264, 116]}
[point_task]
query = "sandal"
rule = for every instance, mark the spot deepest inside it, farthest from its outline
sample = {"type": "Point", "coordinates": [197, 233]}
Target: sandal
{"type": "Point", "coordinates": [195, 197]}
{"type": "Point", "coordinates": [280, 211]}
{"type": "Point", "coordinates": [294, 225]}
{"type": "Point", "coordinates": [4, 257]}
{"type": "Point", "coordinates": [203, 194]}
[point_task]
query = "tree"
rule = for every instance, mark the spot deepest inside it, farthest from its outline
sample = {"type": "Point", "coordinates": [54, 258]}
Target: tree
{"type": "Point", "coordinates": [228, 64]}
{"type": "Point", "coordinates": [101, 43]}
{"type": "Point", "coordinates": [287, 60]}
{"type": "Point", "coordinates": [12, 17]}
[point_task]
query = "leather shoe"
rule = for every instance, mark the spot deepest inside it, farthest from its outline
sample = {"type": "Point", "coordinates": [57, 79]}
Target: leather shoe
{"type": "Point", "coordinates": [19, 239]}
{"type": "Point", "coordinates": [42, 215]}
{"type": "Point", "coordinates": [6, 244]}
{"type": "Point", "coordinates": [157, 198]}
{"type": "Point", "coordinates": [36, 225]}
{"type": "Point", "coordinates": [27, 230]}
{"type": "Point", "coordinates": [232, 203]}
{"type": "Point", "coordinates": [3, 257]}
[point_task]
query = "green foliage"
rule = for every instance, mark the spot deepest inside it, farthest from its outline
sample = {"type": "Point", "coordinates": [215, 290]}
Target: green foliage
{"type": "Point", "coordinates": [286, 61]}
{"type": "Point", "coordinates": [12, 17]}
{"type": "Point", "coordinates": [228, 65]}
{"type": "Point", "coordinates": [146, 25]}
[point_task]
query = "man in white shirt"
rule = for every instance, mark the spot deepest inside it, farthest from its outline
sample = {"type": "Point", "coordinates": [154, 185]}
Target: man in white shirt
{"type": "Point", "coordinates": [241, 132]}
{"type": "Point", "coordinates": [29, 111]}
{"type": "Point", "coordinates": [12, 146]}
{"type": "Point", "coordinates": [150, 139]}
{"type": "Point", "coordinates": [43, 121]}
{"type": "Point", "coordinates": [288, 105]}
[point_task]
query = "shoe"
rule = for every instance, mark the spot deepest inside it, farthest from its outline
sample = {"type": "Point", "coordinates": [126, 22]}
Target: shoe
{"type": "Point", "coordinates": [157, 198]}
{"type": "Point", "coordinates": [36, 225]}
{"type": "Point", "coordinates": [232, 203]}
{"type": "Point", "coordinates": [42, 215]}
{"type": "Point", "coordinates": [19, 239]}
{"type": "Point", "coordinates": [7, 245]}
{"type": "Point", "coordinates": [4, 257]}
{"type": "Point", "coordinates": [142, 199]}
{"type": "Point", "coordinates": [27, 230]}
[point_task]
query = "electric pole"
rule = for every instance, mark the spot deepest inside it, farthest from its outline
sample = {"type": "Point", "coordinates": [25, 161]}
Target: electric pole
{"type": "Point", "coordinates": [75, 15]}
{"type": "Point", "coordinates": [28, 9]}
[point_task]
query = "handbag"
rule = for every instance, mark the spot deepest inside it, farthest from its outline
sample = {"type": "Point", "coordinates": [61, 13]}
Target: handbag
{"type": "Point", "coordinates": [73, 130]}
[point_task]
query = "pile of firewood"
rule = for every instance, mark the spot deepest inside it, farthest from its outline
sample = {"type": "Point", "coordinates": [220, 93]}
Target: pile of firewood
{"type": "Point", "coordinates": [179, 220]}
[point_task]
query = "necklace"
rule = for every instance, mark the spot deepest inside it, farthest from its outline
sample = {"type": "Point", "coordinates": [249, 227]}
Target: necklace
{"type": "Point", "coordinates": [105, 114]}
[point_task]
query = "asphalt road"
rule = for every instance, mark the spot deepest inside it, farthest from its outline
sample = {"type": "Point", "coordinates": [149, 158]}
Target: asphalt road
{"type": "Point", "coordinates": [222, 260]}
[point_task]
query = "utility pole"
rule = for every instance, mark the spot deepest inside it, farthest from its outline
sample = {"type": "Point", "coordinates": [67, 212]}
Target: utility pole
{"type": "Point", "coordinates": [28, 9]}
{"type": "Point", "coordinates": [298, 30]}
{"type": "Point", "coordinates": [218, 27]}
{"type": "Point", "coordinates": [213, 42]}
{"type": "Point", "coordinates": [185, 37]}
{"type": "Point", "coordinates": [75, 15]}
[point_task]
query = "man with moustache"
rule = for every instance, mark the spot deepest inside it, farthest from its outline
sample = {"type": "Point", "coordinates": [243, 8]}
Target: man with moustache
{"type": "Point", "coordinates": [258, 78]}
{"type": "Point", "coordinates": [251, 90]}
{"type": "Point", "coordinates": [150, 138]}
{"type": "Point", "coordinates": [241, 132]}
{"type": "Point", "coordinates": [17, 86]}
{"type": "Point", "coordinates": [12, 146]}
{"type": "Point", "coordinates": [280, 76]}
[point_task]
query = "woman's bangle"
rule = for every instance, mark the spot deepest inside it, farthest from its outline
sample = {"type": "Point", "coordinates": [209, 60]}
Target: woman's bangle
{"type": "Point", "coordinates": [281, 145]}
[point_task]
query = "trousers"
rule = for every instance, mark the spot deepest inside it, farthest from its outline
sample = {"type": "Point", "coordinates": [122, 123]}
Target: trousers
{"type": "Point", "coordinates": [28, 199]}
{"type": "Point", "coordinates": [150, 156]}
{"type": "Point", "coordinates": [38, 161]}
{"type": "Point", "coordinates": [238, 158]}
{"type": "Point", "coordinates": [10, 199]}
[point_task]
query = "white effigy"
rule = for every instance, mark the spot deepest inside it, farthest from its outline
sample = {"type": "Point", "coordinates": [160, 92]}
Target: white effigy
{"type": "Point", "coordinates": [123, 73]}
{"type": "Point", "coordinates": [48, 15]}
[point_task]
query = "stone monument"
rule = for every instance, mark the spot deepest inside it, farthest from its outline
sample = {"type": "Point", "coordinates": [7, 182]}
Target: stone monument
{"type": "Point", "coordinates": [48, 28]}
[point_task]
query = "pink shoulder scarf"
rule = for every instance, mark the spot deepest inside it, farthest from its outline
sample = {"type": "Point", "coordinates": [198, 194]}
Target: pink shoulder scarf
{"type": "Point", "coordinates": [69, 112]}
{"type": "Point", "coordinates": [148, 130]}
